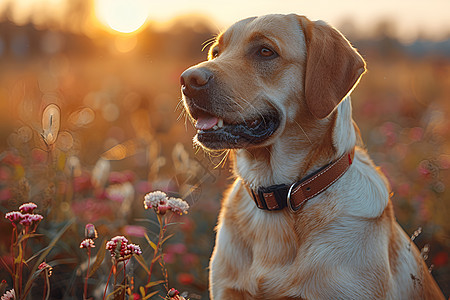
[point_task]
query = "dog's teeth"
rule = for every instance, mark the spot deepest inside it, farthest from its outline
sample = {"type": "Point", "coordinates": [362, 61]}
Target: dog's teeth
{"type": "Point", "coordinates": [220, 123]}
{"type": "Point", "coordinates": [215, 127]}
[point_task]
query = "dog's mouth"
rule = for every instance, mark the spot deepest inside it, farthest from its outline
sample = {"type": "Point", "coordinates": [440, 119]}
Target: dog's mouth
{"type": "Point", "coordinates": [216, 132]}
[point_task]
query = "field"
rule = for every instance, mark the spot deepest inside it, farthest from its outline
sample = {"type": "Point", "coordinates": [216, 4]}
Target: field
{"type": "Point", "coordinates": [122, 135]}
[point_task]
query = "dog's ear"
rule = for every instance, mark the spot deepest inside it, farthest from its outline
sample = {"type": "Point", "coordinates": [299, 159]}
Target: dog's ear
{"type": "Point", "coordinates": [333, 67]}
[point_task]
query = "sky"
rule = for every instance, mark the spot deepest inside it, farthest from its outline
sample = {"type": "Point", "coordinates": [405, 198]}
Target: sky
{"type": "Point", "coordinates": [412, 17]}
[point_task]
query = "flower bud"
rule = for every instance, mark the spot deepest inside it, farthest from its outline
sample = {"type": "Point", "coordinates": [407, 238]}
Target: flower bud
{"type": "Point", "coordinates": [51, 118]}
{"type": "Point", "coordinates": [100, 173]}
{"type": "Point", "coordinates": [90, 232]}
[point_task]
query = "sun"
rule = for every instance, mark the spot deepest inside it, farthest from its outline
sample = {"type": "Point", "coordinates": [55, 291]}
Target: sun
{"type": "Point", "coordinates": [125, 16]}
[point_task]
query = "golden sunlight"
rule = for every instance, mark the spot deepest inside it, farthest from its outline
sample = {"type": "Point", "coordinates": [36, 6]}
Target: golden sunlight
{"type": "Point", "coordinates": [123, 15]}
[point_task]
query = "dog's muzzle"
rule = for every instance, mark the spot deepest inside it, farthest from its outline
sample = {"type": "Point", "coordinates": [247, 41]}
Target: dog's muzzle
{"type": "Point", "coordinates": [219, 125]}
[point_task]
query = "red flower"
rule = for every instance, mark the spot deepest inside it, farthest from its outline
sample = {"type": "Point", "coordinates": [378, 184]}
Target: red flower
{"type": "Point", "coordinates": [185, 278]}
{"type": "Point", "coordinates": [136, 296]}
{"type": "Point", "coordinates": [440, 259]}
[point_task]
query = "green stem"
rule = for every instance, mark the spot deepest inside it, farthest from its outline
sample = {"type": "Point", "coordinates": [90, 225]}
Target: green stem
{"type": "Point", "coordinates": [162, 230]}
{"type": "Point", "coordinates": [107, 282]}
{"type": "Point", "coordinates": [46, 295]}
{"type": "Point", "coordinates": [87, 273]}
{"type": "Point", "coordinates": [15, 237]}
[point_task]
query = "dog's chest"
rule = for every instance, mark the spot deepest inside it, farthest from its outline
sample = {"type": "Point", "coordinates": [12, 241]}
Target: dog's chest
{"type": "Point", "coordinates": [279, 254]}
{"type": "Point", "coordinates": [268, 247]}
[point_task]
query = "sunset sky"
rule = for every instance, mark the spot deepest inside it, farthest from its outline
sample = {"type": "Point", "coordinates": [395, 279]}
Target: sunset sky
{"type": "Point", "coordinates": [412, 17]}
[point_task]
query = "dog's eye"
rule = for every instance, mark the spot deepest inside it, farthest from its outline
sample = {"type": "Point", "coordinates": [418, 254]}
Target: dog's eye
{"type": "Point", "coordinates": [266, 52]}
{"type": "Point", "coordinates": [215, 53]}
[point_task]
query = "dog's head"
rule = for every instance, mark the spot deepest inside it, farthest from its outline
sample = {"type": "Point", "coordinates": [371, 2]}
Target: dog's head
{"type": "Point", "coordinates": [263, 73]}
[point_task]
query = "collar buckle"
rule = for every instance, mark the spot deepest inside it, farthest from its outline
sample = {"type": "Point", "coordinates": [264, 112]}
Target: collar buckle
{"type": "Point", "coordinates": [288, 198]}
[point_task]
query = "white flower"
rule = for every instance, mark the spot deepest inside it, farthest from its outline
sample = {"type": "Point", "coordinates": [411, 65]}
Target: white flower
{"type": "Point", "coordinates": [9, 295]}
{"type": "Point", "coordinates": [178, 205]}
{"type": "Point", "coordinates": [155, 199]}
{"type": "Point", "coordinates": [161, 203]}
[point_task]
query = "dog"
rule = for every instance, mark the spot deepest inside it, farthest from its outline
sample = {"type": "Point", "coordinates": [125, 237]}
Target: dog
{"type": "Point", "coordinates": [309, 215]}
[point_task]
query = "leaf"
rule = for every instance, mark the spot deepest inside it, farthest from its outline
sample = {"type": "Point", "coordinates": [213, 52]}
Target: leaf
{"type": "Point", "coordinates": [118, 293]}
{"type": "Point", "coordinates": [151, 243]}
{"type": "Point", "coordinates": [36, 255]}
{"type": "Point", "coordinates": [62, 261]}
{"type": "Point", "coordinates": [36, 274]}
{"type": "Point", "coordinates": [150, 295]}
{"type": "Point", "coordinates": [6, 266]}
{"type": "Point", "coordinates": [43, 255]}
{"type": "Point", "coordinates": [142, 262]}
{"type": "Point", "coordinates": [174, 223]}
{"type": "Point", "coordinates": [99, 259]}
{"type": "Point", "coordinates": [167, 237]}
{"type": "Point", "coordinates": [149, 221]}
{"type": "Point", "coordinates": [152, 284]}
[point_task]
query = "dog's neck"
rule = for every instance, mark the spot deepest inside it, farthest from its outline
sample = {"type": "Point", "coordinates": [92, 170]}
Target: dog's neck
{"type": "Point", "coordinates": [299, 151]}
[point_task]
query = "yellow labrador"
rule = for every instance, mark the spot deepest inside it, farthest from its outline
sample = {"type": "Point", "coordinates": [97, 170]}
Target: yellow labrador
{"type": "Point", "coordinates": [309, 215]}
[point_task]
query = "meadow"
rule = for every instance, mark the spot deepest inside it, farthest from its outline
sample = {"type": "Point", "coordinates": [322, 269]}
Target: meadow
{"type": "Point", "coordinates": [90, 126]}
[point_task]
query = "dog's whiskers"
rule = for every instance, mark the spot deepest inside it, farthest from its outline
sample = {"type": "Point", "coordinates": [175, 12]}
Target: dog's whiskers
{"type": "Point", "coordinates": [222, 162]}
{"type": "Point", "coordinates": [179, 104]}
{"type": "Point", "coordinates": [243, 109]}
{"type": "Point", "coordinates": [303, 132]}
{"type": "Point", "coordinates": [208, 42]}
{"type": "Point", "coordinates": [182, 113]}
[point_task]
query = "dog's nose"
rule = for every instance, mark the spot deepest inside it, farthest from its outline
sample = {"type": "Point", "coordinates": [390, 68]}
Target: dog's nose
{"type": "Point", "coordinates": [195, 80]}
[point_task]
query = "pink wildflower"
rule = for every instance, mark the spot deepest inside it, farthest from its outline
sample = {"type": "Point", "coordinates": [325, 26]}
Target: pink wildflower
{"type": "Point", "coordinates": [120, 249]}
{"type": "Point", "coordinates": [25, 215]}
{"type": "Point", "coordinates": [90, 232]}
{"type": "Point", "coordinates": [134, 249]}
{"type": "Point", "coordinates": [87, 243]}
{"type": "Point", "coordinates": [14, 216]}
{"type": "Point", "coordinates": [27, 208]}
{"type": "Point", "coordinates": [30, 219]}
{"type": "Point", "coordinates": [44, 266]}
{"type": "Point", "coordinates": [9, 295]}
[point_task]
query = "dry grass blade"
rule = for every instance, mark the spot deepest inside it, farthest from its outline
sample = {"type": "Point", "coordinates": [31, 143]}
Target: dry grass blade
{"type": "Point", "coordinates": [166, 238]}
{"type": "Point", "coordinates": [6, 266]}
{"type": "Point", "coordinates": [43, 255]}
{"type": "Point", "coordinates": [153, 245]}
{"type": "Point", "coordinates": [150, 295]}
{"type": "Point", "coordinates": [152, 284]}
{"type": "Point", "coordinates": [99, 259]}
{"type": "Point", "coordinates": [142, 262]}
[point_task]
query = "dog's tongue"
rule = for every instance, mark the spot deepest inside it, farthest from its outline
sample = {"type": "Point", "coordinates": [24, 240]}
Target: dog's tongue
{"type": "Point", "coordinates": [206, 122]}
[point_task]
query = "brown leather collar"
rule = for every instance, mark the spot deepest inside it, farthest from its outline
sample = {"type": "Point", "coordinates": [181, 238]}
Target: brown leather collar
{"type": "Point", "coordinates": [277, 197]}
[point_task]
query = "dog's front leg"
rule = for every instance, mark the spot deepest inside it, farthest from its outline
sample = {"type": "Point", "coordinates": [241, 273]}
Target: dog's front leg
{"type": "Point", "coordinates": [228, 266]}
